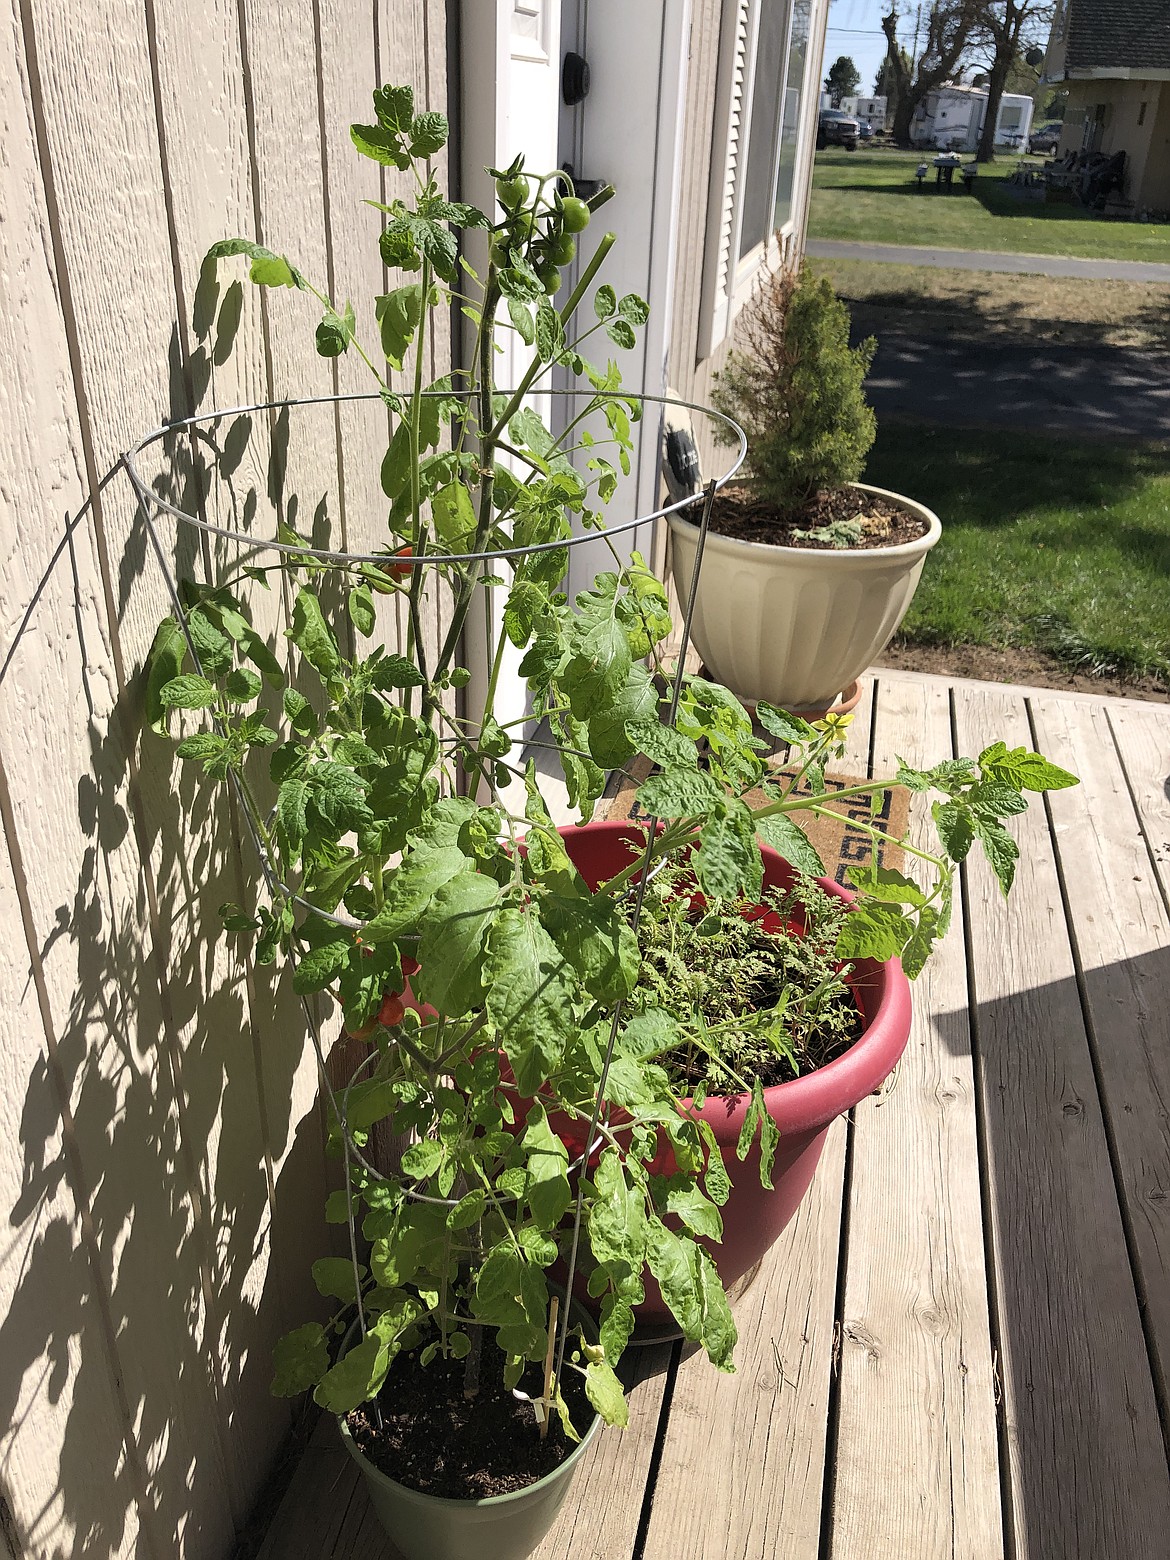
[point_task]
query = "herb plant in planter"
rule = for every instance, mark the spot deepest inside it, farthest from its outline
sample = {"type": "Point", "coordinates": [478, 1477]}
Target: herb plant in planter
{"type": "Point", "coordinates": [516, 1005]}
{"type": "Point", "coordinates": [808, 572]}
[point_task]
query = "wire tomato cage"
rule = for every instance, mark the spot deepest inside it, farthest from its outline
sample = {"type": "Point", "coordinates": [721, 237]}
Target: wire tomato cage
{"type": "Point", "coordinates": [153, 506]}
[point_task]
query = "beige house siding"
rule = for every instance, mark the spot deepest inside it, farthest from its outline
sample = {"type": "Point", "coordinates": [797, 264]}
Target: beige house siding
{"type": "Point", "coordinates": [690, 370]}
{"type": "Point", "coordinates": [161, 1165]}
{"type": "Point", "coordinates": [1156, 183]}
{"type": "Point", "coordinates": [1132, 115]}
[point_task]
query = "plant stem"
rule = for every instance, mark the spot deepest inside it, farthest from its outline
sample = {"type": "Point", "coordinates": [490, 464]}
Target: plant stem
{"type": "Point", "coordinates": [419, 535]}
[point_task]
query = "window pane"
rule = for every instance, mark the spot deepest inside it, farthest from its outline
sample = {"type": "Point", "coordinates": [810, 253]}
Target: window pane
{"type": "Point", "coordinates": [766, 101]}
{"type": "Point", "coordinates": [793, 91]}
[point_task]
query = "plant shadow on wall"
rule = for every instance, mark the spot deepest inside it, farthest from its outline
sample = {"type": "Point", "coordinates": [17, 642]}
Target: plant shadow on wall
{"type": "Point", "coordinates": [178, 1064]}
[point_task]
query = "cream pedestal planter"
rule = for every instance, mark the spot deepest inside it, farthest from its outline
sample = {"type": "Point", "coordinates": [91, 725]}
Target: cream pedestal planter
{"type": "Point", "coordinates": [796, 625]}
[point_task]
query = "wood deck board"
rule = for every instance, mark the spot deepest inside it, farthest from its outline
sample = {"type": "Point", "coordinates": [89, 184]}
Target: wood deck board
{"type": "Point", "coordinates": [1088, 1474]}
{"type": "Point", "coordinates": [742, 1467]}
{"type": "Point", "coordinates": [762, 1494]}
{"type": "Point", "coordinates": [1121, 938]}
{"type": "Point", "coordinates": [312, 1515]}
{"type": "Point", "coordinates": [1071, 1049]}
{"type": "Point", "coordinates": [917, 1453]}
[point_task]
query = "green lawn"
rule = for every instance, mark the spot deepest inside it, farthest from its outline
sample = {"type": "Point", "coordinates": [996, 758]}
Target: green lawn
{"type": "Point", "coordinates": [1050, 543]}
{"type": "Point", "coordinates": [872, 197]}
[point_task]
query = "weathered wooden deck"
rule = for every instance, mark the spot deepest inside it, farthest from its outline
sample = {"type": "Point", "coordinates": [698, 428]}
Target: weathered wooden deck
{"type": "Point", "coordinates": [959, 1348]}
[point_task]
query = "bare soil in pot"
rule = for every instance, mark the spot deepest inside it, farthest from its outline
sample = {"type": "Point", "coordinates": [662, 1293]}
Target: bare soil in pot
{"type": "Point", "coordinates": [435, 1440]}
{"type": "Point", "coordinates": [739, 514]}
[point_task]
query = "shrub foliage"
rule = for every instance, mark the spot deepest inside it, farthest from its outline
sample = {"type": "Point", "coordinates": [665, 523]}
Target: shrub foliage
{"type": "Point", "coordinates": [794, 384]}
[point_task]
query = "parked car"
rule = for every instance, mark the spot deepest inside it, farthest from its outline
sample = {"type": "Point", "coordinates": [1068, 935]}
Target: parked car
{"type": "Point", "coordinates": [1045, 139]}
{"type": "Point", "coordinates": [835, 128]}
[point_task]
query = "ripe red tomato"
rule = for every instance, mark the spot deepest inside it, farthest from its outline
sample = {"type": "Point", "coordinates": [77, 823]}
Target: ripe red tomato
{"type": "Point", "coordinates": [402, 570]}
{"type": "Point", "coordinates": [410, 965]}
{"type": "Point", "coordinates": [392, 1010]}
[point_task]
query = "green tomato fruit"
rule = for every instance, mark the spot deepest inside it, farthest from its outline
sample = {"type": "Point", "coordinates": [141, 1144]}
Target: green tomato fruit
{"type": "Point", "coordinates": [561, 249]}
{"type": "Point", "coordinates": [550, 277]}
{"type": "Point", "coordinates": [512, 193]}
{"type": "Point", "coordinates": [521, 228]}
{"type": "Point", "coordinates": [498, 249]}
{"type": "Point", "coordinates": [574, 214]}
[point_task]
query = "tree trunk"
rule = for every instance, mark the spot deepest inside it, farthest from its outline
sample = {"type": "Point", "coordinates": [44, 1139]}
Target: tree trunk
{"type": "Point", "coordinates": [996, 81]}
{"type": "Point", "coordinates": [903, 114]}
{"type": "Point", "coordinates": [900, 79]}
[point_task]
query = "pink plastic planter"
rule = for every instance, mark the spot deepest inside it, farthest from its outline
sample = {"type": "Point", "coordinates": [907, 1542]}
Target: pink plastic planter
{"type": "Point", "coordinates": [803, 1110]}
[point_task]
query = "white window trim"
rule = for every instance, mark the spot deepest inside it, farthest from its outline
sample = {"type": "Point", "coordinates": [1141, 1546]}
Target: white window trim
{"type": "Point", "coordinates": [728, 280]}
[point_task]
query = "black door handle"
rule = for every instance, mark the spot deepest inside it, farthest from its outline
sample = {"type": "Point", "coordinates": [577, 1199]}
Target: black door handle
{"type": "Point", "coordinates": [585, 188]}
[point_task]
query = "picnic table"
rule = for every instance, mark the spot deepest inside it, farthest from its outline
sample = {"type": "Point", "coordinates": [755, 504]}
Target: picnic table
{"type": "Point", "coordinates": [945, 165]}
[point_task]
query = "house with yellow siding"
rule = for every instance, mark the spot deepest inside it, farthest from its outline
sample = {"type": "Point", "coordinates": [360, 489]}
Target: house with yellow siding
{"type": "Point", "coordinates": [1114, 57]}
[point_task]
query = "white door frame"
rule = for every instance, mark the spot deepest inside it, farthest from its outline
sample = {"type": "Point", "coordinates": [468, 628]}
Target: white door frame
{"type": "Point", "coordinates": [628, 130]}
{"type": "Point", "coordinates": [510, 65]}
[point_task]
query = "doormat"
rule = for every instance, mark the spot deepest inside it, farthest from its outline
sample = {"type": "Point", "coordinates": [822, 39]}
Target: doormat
{"type": "Point", "coordinates": [838, 841]}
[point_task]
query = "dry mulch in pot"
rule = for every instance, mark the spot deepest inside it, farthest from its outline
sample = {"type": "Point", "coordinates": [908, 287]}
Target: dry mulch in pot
{"type": "Point", "coordinates": [435, 1440]}
{"type": "Point", "coordinates": [739, 514]}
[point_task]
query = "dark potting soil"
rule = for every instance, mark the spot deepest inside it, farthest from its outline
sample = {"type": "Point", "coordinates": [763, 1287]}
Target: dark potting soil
{"type": "Point", "coordinates": [435, 1440]}
{"type": "Point", "coordinates": [738, 514]}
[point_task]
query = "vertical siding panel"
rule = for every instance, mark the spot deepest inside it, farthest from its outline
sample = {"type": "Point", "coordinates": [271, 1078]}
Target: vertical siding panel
{"type": "Point", "coordinates": [348, 77]}
{"type": "Point", "coordinates": [63, 1469]}
{"type": "Point", "coordinates": [128, 1024]}
{"type": "Point", "coordinates": [139, 1420]}
{"type": "Point", "coordinates": [204, 139]}
{"type": "Point", "coordinates": [64, 1474]}
{"type": "Point", "coordinates": [281, 61]}
{"type": "Point", "coordinates": [412, 50]}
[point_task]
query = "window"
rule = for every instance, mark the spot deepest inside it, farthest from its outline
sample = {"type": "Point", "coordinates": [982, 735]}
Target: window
{"type": "Point", "coordinates": [762, 102]}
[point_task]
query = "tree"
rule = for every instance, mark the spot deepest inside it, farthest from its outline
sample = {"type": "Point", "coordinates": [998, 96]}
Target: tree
{"type": "Point", "coordinates": [795, 385]}
{"type": "Point", "coordinates": [949, 28]}
{"type": "Point", "coordinates": [1006, 29]}
{"type": "Point", "coordinates": [1054, 104]}
{"type": "Point", "coordinates": [843, 79]}
{"type": "Point", "coordinates": [886, 82]}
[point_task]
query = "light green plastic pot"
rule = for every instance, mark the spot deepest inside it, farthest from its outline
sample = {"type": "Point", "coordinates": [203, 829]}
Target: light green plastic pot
{"type": "Point", "coordinates": [502, 1527]}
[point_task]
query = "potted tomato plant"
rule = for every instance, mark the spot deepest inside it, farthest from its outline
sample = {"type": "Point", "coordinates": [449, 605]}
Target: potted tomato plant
{"type": "Point", "coordinates": [493, 963]}
{"type": "Point", "coordinates": [807, 571]}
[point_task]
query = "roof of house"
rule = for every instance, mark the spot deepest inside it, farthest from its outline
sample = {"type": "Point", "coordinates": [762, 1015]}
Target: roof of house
{"type": "Point", "coordinates": [1131, 35]}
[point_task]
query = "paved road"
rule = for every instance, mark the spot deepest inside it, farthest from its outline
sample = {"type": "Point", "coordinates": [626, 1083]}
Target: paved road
{"type": "Point", "coordinates": [1099, 391]}
{"type": "Point", "coordinates": [987, 260]}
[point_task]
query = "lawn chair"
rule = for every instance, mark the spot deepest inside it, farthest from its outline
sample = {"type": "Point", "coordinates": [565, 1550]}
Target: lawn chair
{"type": "Point", "coordinates": [1059, 175]}
{"type": "Point", "coordinates": [969, 173]}
{"type": "Point", "coordinates": [1103, 176]}
{"type": "Point", "coordinates": [920, 174]}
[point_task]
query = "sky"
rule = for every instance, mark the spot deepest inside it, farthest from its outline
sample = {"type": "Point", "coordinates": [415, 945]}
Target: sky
{"type": "Point", "coordinates": [855, 28]}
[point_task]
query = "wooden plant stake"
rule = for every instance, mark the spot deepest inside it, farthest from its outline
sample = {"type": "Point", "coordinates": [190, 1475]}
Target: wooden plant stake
{"type": "Point", "coordinates": [554, 1307]}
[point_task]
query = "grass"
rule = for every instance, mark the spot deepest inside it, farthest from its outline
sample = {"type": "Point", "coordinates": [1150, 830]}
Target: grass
{"type": "Point", "coordinates": [928, 301]}
{"type": "Point", "coordinates": [1053, 544]}
{"type": "Point", "coordinates": [871, 197]}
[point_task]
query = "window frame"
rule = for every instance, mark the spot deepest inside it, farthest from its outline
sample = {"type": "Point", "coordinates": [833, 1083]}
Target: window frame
{"type": "Point", "coordinates": [728, 278]}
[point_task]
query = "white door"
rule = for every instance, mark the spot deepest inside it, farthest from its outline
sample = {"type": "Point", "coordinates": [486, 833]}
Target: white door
{"type": "Point", "coordinates": [510, 55]}
{"type": "Point", "coordinates": [626, 131]}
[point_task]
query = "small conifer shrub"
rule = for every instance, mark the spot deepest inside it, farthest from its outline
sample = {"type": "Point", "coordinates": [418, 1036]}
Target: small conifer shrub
{"type": "Point", "coordinates": [794, 385]}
